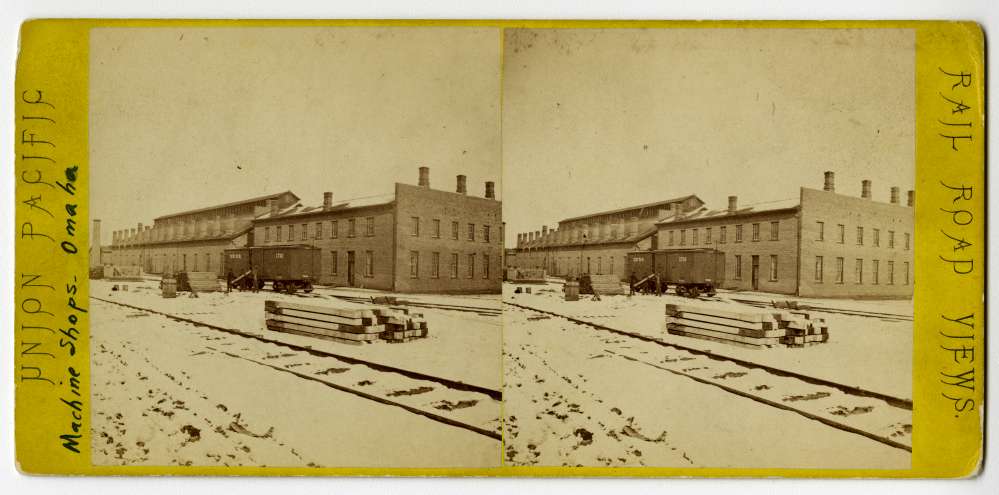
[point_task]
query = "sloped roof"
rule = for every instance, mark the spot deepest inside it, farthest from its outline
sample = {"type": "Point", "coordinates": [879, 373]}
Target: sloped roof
{"type": "Point", "coordinates": [752, 209]}
{"type": "Point", "coordinates": [549, 241]}
{"type": "Point", "coordinates": [227, 205]}
{"type": "Point", "coordinates": [636, 207]}
{"type": "Point", "coordinates": [298, 209]}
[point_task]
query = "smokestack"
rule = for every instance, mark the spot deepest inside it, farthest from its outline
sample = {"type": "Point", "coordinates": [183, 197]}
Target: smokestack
{"type": "Point", "coordinates": [830, 184]}
{"type": "Point", "coordinates": [490, 190]}
{"type": "Point", "coordinates": [139, 238]}
{"type": "Point", "coordinates": [461, 185]}
{"type": "Point", "coordinates": [114, 237]}
{"type": "Point", "coordinates": [911, 199]}
{"type": "Point", "coordinates": [424, 176]}
{"type": "Point", "coordinates": [865, 189]}
{"type": "Point", "coordinates": [537, 235]}
{"type": "Point", "coordinates": [272, 207]}
{"type": "Point", "coordinates": [327, 200]}
{"type": "Point", "coordinates": [733, 203]}
{"type": "Point", "coordinates": [544, 231]}
{"type": "Point", "coordinates": [530, 236]}
{"type": "Point", "coordinates": [894, 195]}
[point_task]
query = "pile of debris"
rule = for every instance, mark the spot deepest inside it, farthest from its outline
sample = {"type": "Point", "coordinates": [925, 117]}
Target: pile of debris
{"type": "Point", "coordinates": [345, 325]}
{"type": "Point", "coordinates": [602, 285]}
{"type": "Point", "coordinates": [746, 328]}
{"type": "Point", "coordinates": [201, 282]}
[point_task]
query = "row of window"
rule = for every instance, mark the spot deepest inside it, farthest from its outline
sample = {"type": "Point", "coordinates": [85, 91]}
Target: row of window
{"type": "Point", "coordinates": [586, 265]}
{"type": "Point", "coordinates": [435, 229]}
{"type": "Point", "coordinates": [773, 267]}
{"type": "Point", "coordinates": [673, 235]}
{"type": "Point", "coordinates": [860, 237]}
{"type": "Point", "coordinates": [453, 265]}
{"type": "Point", "coordinates": [874, 272]}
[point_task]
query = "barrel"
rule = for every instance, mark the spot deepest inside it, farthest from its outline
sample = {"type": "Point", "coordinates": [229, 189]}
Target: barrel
{"type": "Point", "coordinates": [169, 286]}
{"type": "Point", "coordinates": [572, 291]}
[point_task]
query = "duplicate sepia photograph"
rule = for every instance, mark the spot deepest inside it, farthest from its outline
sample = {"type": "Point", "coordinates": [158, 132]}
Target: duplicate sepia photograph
{"type": "Point", "coordinates": [297, 246]}
{"type": "Point", "coordinates": [709, 247]}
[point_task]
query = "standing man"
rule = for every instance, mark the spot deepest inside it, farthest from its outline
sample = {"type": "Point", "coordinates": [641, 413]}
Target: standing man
{"type": "Point", "coordinates": [228, 281]}
{"type": "Point", "coordinates": [631, 284]}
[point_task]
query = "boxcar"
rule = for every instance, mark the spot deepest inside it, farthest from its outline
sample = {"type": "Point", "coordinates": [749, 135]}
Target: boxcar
{"type": "Point", "coordinates": [288, 268]}
{"type": "Point", "coordinates": [690, 272]}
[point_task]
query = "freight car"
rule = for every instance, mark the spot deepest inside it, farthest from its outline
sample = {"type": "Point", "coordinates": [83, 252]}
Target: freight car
{"type": "Point", "coordinates": [690, 272]}
{"type": "Point", "coordinates": [288, 268]}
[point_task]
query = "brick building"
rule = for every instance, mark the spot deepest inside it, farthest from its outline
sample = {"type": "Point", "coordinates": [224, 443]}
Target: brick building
{"type": "Point", "coordinates": [822, 244]}
{"type": "Point", "coordinates": [416, 239]}
{"type": "Point", "coordinates": [192, 240]}
{"type": "Point", "coordinates": [596, 243]}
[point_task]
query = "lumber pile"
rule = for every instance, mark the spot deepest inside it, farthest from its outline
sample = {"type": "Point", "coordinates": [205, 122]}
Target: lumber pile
{"type": "Point", "coordinates": [345, 325]}
{"type": "Point", "coordinates": [606, 284]}
{"type": "Point", "coordinates": [526, 275]}
{"type": "Point", "coordinates": [128, 272]}
{"type": "Point", "coordinates": [203, 281]}
{"type": "Point", "coordinates": [755, 329]}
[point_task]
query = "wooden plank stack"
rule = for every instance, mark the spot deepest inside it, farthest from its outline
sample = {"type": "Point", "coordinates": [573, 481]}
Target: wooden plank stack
{"type": "Point", "coordinates": [607, 285]}
{"type": "Point", "coordinates": [526, 275]}
{"type": "Point", "coordinates": [203, 281]}
{"type": "Point", "coordinates": [345, 325]}
{"type": "Point", "coordinates": [754, 329]}
{"type": "Point", "coordinates": [125, 272]}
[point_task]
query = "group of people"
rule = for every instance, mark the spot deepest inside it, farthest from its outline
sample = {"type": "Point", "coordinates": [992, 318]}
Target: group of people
{"type": "Point", "coordinates": [646, 288]}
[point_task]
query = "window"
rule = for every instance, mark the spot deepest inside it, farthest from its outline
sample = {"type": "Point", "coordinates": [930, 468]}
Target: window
{"type": "Point", "coordinates": [839, 270]}
{"type": "Point", "coordinates": [195, 261]}
{"type": "Point", "coordinates": [471, 232]}
{"type": "Point", "coordinates": [471, 265]}
{"type": "Point", "coordinates": [775, 231]}
{"type": "Point", "coordinates": [334, 229]}
{"type": "Point", "coordinates": [906, 241]}
{"type": "Point", "coordinates": [773, 267]}
{"type": "Point", "coordinates": [818, 269]}
{"type": "Point", "coordinates": [485, 266]}
{"type": "Point", "coordinates": [267, 234]}
{"type": "Point", "coordinates": [707, 235]}
{"type": "Point", "coordinates": [841, 231]}
{"type": "Point", "coordinates": [670, 242]}
{"type": "Point", "coordinates": [305, 231]}
{"type": "Point", "coordinates": [738, 233]}
{"type": "Point", "coordinates": [319, 230]}
{"type": "Point", "coordinates": [891, 239]}
{"type": "Point", "coordinates": [351, 227]}
{"type": "Point", "coordinates": [858, 271]}
{"type": "Point", "coordinates": [437, 228]}
{"type": "Point", "coordinates": [291, 232]}
{"type": "Point", "coordinates": [822, 230]}
{"type": "Point", "coordinates": [435, 263]}
{"type": "Point", "coordinates": [877, 237]}
{"type": "Point", "coordinates": [333, 263]}
{"type": "Point", "coordinates": [683, 237]}
{"type": "Point", "coordinates": [874, 272]}
{"type": "Point", "coordinates": [600, 265]}
{"type": "Point", "coordinates": [414, 264]}
{"type": "Point", "coordinates": [485, 233]}
{"type": "Point", "coordinates": [693, 237]}
{"type": "Point", "coordinates": [738, 267]}
{"type": "Point", "coordinates": [905, 266]}
{"type": "Point", "coordinates": [369, 226]}
{"type": "Point", "coordinates": [369, 263]}
{"type": "Point", "coordinates": [756, 232]}
{"type": "Point", "coordinates": [454, 230]}
{"type": "Point", "coordinates": [610, 269]}
{"type": "Point", "coordinates": [722, 234]}
{"type": "Point", "coordinates": [414, 226]}
{"type": "Point", "coordinates": [891, 272]}
{"type": "Point", "coordinates": [454, 265]}
{"type": "Point", "coordinates": [860, 236]}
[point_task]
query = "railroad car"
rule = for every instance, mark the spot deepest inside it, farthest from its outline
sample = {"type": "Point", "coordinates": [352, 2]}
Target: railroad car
{"type": "Point", "coordinates": [288, 268]}
{"type": "Point", "coordinates": [690, 272]}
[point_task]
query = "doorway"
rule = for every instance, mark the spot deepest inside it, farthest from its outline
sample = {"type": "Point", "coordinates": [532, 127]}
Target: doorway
{"type": "Point", "coordinates": [350, 268]}
{"type": "Point", "coordinates": [756, 272]}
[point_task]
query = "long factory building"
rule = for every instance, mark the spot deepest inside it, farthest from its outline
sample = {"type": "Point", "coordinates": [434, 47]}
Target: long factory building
{"type": "Point", "coordinates": [414, 239]}
{"type": "Point", "coordinates": [820, 244]}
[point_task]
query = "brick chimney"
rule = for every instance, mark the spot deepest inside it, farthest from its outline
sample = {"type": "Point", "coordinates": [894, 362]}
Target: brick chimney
{"type": "Point", "coordinates": [733, 204]}
{"type": "Point", "coordinates": [327, 200]}
{"type": "Point", "coordinates": [911, 199]}
{"type": "Point", "coordinates": [894, 195]}
{"type": "Point", "coordinates": [461, 185]}
{"type": "Point", "coordinates": [830, 184]}
{"type": "Point", "coordinates": [424, 176]}
{"type": "Point", "coordinates": [865, 189]}
{"type": "Point", "coordinates": [490, 189]}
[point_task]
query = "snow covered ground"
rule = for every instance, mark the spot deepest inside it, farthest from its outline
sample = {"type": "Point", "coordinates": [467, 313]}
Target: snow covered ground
{"type": "Point", "coordinates": [867, 352]}
{"type": "Point", "coordinates": [171, 393]}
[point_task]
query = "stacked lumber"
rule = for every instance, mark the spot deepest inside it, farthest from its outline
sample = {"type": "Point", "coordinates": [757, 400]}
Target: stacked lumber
{"type": "Point", "coordinates": [526, 275]}
{"type": "Point", "coordinates": [755, 329]}
{"type": "Point", "coordinates": [606, 284]}
{"type": "Point", "coordinates": [130, 272]}
{"type": "Point", "coordinates": [345, 325]}
{"type": "Point", "coordinates": [203, 281]}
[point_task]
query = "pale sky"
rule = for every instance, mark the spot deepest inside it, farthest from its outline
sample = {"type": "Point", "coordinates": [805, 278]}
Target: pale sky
{"type": "Point", "coordinates": [598, 119]}
{"type": "Point", "coordinates": [187, 118]}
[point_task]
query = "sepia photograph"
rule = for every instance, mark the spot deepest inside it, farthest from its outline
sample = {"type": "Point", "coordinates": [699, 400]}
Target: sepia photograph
{"type": "Point", "coordinates": [709, 247]}
{"type": "Point", "coordinates": [297, 246]}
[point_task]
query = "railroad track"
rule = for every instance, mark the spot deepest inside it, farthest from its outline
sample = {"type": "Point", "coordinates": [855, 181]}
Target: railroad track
{"type": "Point", "coordinates": [451, 402]}
{"type": "Point", "coordinates": [877, 416]}
{"type": "Point", "coordinates": [480, 310]}
{"type": "Point", "coordinates": [821, 309]}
